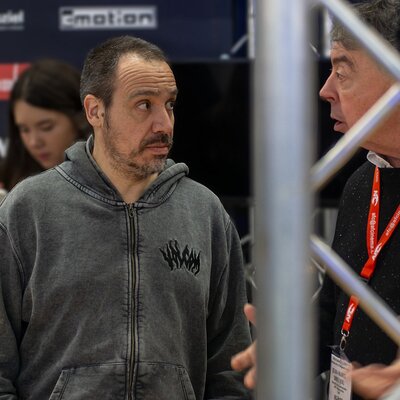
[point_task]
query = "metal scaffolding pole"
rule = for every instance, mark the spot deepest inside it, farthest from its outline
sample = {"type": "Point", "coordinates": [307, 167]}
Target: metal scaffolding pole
{"type": "Point", "coordinates": [282, 160]}
{"type": "Point", "coordinates": [349, 281]}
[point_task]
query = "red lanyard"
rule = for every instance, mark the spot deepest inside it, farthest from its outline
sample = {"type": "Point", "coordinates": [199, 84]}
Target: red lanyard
{"type": "Point", "coordinates": [374, 248]}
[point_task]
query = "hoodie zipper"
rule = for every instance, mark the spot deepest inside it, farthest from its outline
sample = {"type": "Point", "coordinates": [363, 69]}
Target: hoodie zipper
{"type": "Point", "coordinates": [132, 368]}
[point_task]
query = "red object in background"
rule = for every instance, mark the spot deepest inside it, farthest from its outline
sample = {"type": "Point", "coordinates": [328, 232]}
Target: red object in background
{"type": "Point", "coordinates": [8, 75]}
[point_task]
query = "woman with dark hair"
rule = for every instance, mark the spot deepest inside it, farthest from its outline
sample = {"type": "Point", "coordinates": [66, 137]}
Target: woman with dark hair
{"type": "Point", "coordinates": [45, 118]}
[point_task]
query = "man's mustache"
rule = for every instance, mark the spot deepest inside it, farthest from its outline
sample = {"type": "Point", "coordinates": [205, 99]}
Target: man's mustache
{"type": "Point", "coordinates": [159, 138]}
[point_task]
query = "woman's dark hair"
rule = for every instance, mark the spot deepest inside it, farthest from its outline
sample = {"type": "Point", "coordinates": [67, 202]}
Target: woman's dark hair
{"type": "Point", "coordinates": [50, 84]}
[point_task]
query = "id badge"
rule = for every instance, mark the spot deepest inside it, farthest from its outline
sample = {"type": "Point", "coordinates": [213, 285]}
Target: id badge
{"type": "Point", "coordinates": [339, 384]}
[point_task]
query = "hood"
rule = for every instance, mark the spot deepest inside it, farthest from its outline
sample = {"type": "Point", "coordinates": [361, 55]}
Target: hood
{"type": "Point", "coordinates": [80, 169]}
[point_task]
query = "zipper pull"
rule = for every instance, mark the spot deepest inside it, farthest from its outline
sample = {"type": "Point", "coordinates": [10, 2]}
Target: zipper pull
{"type": "Point", "coordinates": [131, 210]}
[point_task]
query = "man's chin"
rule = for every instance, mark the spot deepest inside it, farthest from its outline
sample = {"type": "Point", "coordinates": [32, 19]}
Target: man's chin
{"type": "Point", "coordinates": [155, 167]}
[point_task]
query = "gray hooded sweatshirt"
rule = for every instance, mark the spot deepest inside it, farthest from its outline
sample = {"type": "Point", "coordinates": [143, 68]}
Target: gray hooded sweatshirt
{"type": "Point", "coordinates": [100, 299]}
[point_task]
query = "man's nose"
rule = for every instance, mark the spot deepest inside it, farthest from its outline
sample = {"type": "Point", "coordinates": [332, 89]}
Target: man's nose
{"type": "Point", "coordinates": [163, 121]}
{"type": "Point", "coordinates": [328, 92]}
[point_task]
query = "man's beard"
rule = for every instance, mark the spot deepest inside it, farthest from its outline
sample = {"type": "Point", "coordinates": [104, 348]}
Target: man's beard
{"type": "Point", "coordinates": [130, 166]}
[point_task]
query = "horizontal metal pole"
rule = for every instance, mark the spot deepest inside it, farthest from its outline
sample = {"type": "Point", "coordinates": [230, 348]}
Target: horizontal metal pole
{"type": "Point", "coordinates": [369, 38]}
{"type": "Point", "coordinates": [348, 280]}
{"type": "Point", "coordinates": [327, 166]}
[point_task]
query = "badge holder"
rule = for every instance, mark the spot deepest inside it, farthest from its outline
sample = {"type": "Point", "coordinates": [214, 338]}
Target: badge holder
{"type": "Point", "coordinates": [339, 383]}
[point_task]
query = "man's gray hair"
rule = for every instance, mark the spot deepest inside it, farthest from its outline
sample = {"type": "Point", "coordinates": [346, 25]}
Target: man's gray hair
{"type": "Point", "coordinates": [383, 15]}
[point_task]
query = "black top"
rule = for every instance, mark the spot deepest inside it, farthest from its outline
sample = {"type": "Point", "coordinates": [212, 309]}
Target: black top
{"type": "Point", "coordinates": [367, 343]}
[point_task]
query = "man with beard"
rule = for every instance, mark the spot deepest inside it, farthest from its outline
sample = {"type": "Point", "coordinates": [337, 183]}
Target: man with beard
{"type": "Point", "coordinates": [120, 277]}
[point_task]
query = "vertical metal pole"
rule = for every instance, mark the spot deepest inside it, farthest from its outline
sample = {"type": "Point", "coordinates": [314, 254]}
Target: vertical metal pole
{"type": "Point", "coordinates": [250, 29]}
{"type": "Point", "coordinates": [282, 154]}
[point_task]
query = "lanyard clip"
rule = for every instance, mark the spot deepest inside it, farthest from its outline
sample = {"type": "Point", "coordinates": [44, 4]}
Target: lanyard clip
{"type": "Point", "coordinates": [343, 340]}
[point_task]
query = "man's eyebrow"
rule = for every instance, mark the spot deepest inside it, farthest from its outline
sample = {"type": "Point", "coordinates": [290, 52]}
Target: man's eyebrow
{"type": "Point", "coordinates": [342, 59]}
{"type": "Point", "coordinates": [151, 92]}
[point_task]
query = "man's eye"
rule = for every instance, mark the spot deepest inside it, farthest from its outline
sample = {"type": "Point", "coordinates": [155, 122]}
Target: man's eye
{"type": "Point", "coordinates": [171, 105]}
{"type": "Point", "coordinates": [340, 74]}
{"type": "Point", "coordinates": [144, 105]}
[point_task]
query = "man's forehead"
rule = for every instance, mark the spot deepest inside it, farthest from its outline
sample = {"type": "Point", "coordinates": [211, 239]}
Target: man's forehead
{"type": "Point", "coordinates": [133, 61]}
{"type": "Point", "coordinates": [358, 58]}
{"type": "Point", "coordinates": [340, 54]}
{"type": "Point", "coordinates": [139, 77]}
{"type": "Point", "coordinates": [140, 69]}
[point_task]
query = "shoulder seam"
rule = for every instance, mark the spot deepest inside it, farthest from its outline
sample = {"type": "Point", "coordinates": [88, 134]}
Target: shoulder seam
{"type": "Point", "coordinates": [14, 250]}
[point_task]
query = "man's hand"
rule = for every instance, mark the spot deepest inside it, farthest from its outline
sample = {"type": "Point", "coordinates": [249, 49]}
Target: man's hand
{"type": "Point", "coordinates": [247, 358]}
{"type": "Point", "coordinates": [375, 380]}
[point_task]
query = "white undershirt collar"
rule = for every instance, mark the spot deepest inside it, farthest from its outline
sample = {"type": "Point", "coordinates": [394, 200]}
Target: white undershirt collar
{"type": "Point", "coordinates": [378, 160]}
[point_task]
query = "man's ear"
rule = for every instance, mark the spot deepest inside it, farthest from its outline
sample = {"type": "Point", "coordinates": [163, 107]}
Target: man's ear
{"type": "Point", "coordinates": [94, 110]}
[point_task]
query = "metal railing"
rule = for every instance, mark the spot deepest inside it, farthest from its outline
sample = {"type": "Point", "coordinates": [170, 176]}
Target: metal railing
{"type": "Point", "coordinates": [283, 186]}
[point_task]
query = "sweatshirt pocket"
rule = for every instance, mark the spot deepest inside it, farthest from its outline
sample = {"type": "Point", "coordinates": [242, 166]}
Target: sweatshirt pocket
{"type": "Point", "coordinates": [162, 381]}
{"type": "Point", "coordinates": [92, 382]}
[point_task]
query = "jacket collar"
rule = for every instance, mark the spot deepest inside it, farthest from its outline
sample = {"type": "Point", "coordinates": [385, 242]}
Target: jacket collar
{"type": "Point", "coordinates": [81, 169]}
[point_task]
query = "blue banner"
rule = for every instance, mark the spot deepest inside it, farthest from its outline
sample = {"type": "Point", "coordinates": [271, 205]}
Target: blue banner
{"type": "Point", "coordinates": [68, 29]}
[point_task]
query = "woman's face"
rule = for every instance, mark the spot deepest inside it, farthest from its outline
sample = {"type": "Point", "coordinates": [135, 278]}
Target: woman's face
{"type": "Point", "coordinates": [44, 133]}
